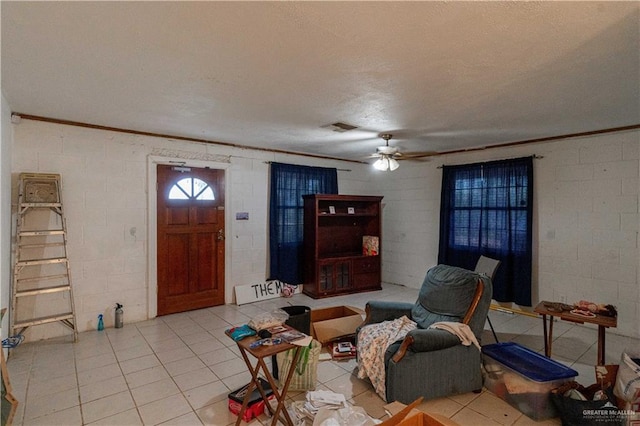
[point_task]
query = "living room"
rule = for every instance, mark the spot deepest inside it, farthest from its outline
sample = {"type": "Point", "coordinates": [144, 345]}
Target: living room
{"type": "Point", "coordinates": [586, 217]}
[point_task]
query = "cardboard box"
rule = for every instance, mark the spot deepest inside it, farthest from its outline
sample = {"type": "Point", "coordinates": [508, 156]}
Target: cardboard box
{"type": "Point", "coordinates": [408, 415]}
{"type": "Point", "coordinates": [335, 323]}
{"type": "Point", "coordinates": [427, 419]}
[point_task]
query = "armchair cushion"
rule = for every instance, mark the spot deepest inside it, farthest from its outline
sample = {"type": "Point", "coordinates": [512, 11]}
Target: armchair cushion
{"type": "Point", "coordinates": [432, 340]}
{"type": "Point", "coordinates": [378, 311]}
{"type": "Point", "coordinates": [445, 295]}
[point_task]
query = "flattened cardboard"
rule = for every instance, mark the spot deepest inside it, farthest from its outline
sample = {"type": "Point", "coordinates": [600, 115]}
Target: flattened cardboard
{"type": "Point", "coordinates": [329, 324]}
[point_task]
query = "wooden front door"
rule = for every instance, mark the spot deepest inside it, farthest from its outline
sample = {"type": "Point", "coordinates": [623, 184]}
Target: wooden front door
{"type": "Point", "coordinates": [190, 238]}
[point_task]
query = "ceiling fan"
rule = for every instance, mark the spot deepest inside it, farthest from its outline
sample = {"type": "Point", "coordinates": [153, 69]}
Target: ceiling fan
{"type": "Point", "coordinates": [387, 155]}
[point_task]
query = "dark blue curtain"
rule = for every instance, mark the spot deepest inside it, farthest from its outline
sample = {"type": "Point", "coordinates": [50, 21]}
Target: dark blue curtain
{"type": "Point", "coordinates": [486, 209]}
{"type": "Point", "coordinates": [288, 184]}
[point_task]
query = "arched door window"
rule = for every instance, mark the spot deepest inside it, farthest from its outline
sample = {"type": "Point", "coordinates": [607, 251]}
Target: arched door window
{"type": "Point", "coordinates": [191, 189]}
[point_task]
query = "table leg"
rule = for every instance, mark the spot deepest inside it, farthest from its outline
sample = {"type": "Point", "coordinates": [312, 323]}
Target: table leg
{"type": "Point", "coordinates": [544, 333]}
{"type": "Point", "coordinates": [283, 393]}
{"type": "Point", "coordinates": [550, 337]}
{"type": "Point", "coordinates": [280, 397]}
{"type": "Point", "coordinates": [547, 335]}
{"type": "Point", "coordinates": [255, 382]}
{"type": "Point", "coordinates": [601, 345]}
{"type": "Point", "coordinates": [274, 389]}
{"type": "Point", "coordinates": [252, 384]}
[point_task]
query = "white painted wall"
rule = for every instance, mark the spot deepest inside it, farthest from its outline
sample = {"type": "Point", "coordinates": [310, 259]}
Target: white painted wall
{"type": "Point", "coordinates": [585, 230]}
{"type": "Point", "coordinates": [106, 194]}
{"type": "Point", "coordinates": [585, 221]}
{"type": "Point", "coordinates": [5, 213]}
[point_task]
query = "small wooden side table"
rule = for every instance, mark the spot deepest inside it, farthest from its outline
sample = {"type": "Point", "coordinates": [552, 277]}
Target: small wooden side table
{"type": "Point", "coordinates": [261, 353]}
{"type": "Point", "coordinates": [603, 322]}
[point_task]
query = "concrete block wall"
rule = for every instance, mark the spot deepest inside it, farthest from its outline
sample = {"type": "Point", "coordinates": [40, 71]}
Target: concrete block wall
{"type": "Point", "coordinates": [5, 214]}
{"type": "Point", "coordinates": [411, 220]}
{"type": "Point", "coordinates": [588, 223]}
{"type": "Point", "coordinates": [106, 187]}
{"type": "Point", "coordinates": [585, 220]}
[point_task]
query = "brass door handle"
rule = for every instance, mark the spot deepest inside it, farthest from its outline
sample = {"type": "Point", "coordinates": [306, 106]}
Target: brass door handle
{"type": "Point", "coordinates": [220, 235]}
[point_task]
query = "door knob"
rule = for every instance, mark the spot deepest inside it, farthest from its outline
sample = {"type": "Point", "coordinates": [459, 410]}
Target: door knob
{"type": "Point", "coordinates": [220, 235]}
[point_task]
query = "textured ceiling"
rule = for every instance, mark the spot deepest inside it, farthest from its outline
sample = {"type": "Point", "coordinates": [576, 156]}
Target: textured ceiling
{"type": "Point", "coordinates": [439, 76]}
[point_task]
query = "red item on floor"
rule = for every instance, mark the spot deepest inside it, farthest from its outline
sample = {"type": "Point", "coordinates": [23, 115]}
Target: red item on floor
{"type": "Point", "coordinates": [255, 406]}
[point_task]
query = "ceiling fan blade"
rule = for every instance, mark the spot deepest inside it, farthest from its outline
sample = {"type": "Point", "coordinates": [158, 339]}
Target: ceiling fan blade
{"type": "Point", "coordinates": [417, 155]}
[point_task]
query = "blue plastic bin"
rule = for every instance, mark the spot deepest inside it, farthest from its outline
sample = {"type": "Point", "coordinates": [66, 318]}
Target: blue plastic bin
{"type": "Point", "coordinates": [524, 378]}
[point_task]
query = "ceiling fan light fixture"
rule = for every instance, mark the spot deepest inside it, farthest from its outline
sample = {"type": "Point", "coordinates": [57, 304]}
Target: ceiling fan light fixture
{"type": "Point", "coordinates": [386, 163]}
{"type": "Point", "coordinates": [393, 164]}
{"type": "Point", "coordinates": [381, 164]}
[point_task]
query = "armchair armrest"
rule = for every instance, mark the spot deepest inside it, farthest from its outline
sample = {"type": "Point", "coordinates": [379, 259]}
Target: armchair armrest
{"type": "Point", "coordinates": [378, 311]}
{"type": "Point", "coordinates": [426, 340]}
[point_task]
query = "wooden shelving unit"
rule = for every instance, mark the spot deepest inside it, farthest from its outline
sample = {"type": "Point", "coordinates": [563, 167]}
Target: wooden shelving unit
{"type": "Point", "coordinates": [334, 227]}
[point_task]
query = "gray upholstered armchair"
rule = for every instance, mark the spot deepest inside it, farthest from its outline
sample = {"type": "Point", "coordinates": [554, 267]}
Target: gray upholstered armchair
{"type": "Point", "coordinates": [432, 362]}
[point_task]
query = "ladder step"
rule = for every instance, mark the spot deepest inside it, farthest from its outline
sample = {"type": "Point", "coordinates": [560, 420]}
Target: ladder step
{"type": "Point", "coordinates": [41, 233]}
{"type": "Point", "coordinates": [41, 205]}
{"type": "Point", "coordinates": [41, 278]}
{"type": "Point", "coordinates": [46, 290]}
{"type": "Point", "coordinates": [42, 261]}
{"type": "Point", "coordinates": [39, 176]}
{"type": "Point", "coordinates": [44, 320]}
{"type": "Point", "coordinates": [43, 245]}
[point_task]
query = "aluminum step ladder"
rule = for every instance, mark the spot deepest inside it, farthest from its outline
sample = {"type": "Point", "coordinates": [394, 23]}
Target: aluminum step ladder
{"type": "Point", "coordinates": [41, 291]}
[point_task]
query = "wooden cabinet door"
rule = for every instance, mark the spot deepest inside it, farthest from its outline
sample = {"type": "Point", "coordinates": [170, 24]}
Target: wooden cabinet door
{"type": "Point", "coordinates": [326, 280]}
{"type": "Point", "coordinates": [334, 276]}
{"type": "Point", "coordinates": [342, 272]}
{"type": "Point", "coordinates": [366, 272]}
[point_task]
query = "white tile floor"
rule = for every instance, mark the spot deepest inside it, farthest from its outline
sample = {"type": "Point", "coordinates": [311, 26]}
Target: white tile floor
{"type": "Point", "coordinates": [178, 369]}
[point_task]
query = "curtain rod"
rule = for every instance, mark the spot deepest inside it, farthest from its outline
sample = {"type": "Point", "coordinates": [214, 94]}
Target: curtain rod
{"type": "Point", "coordinates": [534, 156]}
{"type": "Point", "coordinates": [340, 170]}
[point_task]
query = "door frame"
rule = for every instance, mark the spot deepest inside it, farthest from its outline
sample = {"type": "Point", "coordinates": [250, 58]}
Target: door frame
{"type": "Point", "coordinates": [152, 223]}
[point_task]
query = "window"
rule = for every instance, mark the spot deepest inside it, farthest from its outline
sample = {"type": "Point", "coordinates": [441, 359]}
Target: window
{"type": "Point", "coordinates": [486, 209]}
{"type": "Point", "coordinates": [288, 184]}
{"type": "Point", "coordinates": [191, 188]}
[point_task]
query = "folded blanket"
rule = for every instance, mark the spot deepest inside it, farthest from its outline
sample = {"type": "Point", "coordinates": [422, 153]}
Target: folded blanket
{"type": "Point", "coordinates": [461, 330]}
{"type": "Point", "coordinates": [373, 342]}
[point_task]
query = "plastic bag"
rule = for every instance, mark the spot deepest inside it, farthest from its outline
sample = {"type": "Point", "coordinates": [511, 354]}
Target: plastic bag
{"type": "Point", "coordinates": [347, 416]}
{"type": "Point", "coordinates": [305, 375]}
{"type": "Point", "coordinates": [587, 412]}
{"type": "Point", "coordinates": [628, 379]}
{"type": "Point", "coordinates": [268, 319]}
{"type": "Point", "coordinates": [240, 332]}
{"type": "Point", "coordinates": [288, 290]}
